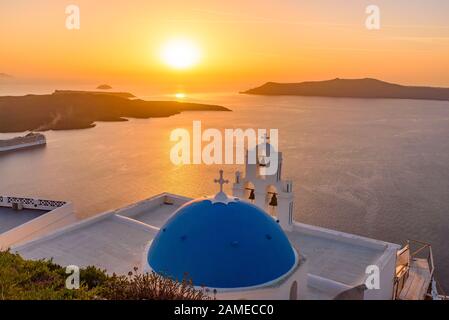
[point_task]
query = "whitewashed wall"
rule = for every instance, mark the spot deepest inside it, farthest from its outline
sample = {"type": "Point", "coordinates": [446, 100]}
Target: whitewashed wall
{"type": "Point", "coordinates": [45, 224]}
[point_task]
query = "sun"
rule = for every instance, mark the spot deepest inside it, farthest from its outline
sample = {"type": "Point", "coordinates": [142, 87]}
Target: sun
{"type": "Point", "coordinates": [180, 54]}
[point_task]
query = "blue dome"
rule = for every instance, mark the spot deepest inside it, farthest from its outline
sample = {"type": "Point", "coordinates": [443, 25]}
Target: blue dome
{"type": "Point", "coordinates": [221, 245]}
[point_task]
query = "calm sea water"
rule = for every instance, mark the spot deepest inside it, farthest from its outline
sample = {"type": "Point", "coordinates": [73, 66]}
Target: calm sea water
{"type": "Point", "coordinates": [378, 168]}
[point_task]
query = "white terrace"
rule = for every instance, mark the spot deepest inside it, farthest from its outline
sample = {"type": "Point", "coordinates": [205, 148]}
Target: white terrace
{"type": "Point", "coordinates": [118, 241]}
{"type": "Point", "coordinates": [23, 219]}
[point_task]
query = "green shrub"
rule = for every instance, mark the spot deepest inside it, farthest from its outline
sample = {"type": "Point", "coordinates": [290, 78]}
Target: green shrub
{"type": "Point", "coordinates": [150, 286]}
{"type": "Point", "coordinates": [44, 280]}
{"type": "Point", "coordinates": [23, 279]}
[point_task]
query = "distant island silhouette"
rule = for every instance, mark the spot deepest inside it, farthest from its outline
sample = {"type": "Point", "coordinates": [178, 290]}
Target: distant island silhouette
{"type": "Point", "coordinates": [351, 88]}
{"type": "Point", "coordinates": [125, 95]}
{"type": "Point", "coordinates": [65, 109]}
{"type": "Point", "coordinates": [104, 87]}
{"type": "Point", "coordinates": [5, 75]}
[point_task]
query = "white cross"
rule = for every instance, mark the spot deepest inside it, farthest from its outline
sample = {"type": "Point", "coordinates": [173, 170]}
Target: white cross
{"type": "Point", "coordinates": [221, 181]}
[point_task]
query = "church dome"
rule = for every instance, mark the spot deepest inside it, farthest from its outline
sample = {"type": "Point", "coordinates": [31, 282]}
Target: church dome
{"type": "Point", "coordinates": [221, 244]}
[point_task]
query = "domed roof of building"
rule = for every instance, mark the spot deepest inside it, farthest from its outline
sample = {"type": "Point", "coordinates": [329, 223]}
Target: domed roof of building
{"type": "Point", "coordinates": [224, 243]}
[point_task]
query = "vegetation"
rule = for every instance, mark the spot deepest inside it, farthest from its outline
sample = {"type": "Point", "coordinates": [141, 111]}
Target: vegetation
{"type": "Point", "coordinates": [150, 286]}
{"type": "Point", "coordinates": [44, 280]}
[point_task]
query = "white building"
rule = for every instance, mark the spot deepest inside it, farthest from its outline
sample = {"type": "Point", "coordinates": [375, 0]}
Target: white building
{"type": "Point", "coordinates": [246, 246]}
{"type": "Point", "coordinates": [24, 219]}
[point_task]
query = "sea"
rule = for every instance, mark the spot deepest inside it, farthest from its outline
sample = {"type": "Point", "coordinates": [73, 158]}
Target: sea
{"type": "Point", "coordinates": [374, 167]}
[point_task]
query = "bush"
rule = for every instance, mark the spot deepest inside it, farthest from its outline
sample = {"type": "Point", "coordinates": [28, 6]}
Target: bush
{"type": "Point", "coordinates": [44, 280]}
{"type": "Point", "coordinates": [150, 286]}
{"type": "Point", "coordinates": [22, 279]}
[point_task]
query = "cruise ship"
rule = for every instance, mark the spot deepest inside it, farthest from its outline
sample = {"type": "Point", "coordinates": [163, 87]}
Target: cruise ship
{"type": "Point", "coordinates": [245, 245]}
{"type": "Point", "coordinates": [28, 141]}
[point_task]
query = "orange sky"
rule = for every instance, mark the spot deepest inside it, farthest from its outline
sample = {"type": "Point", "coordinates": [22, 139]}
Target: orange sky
{"type": "Point", "coordinates": [244, 43]}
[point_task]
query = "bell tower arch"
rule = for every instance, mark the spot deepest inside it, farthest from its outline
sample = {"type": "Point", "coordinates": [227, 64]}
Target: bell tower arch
{"type": "Point", "coordinates": [269, 192]}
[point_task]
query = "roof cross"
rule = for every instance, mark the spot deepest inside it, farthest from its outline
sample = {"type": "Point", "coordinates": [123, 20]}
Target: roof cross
{"type": "Point", "coordinates": [221, 181]}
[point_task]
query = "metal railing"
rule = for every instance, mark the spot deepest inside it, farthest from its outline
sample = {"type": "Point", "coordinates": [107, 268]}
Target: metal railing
{"type": "Point", "coordinates": [421, 252]}
{"type": "Point", "coordinates": [415, 249]}
{"type": "Point", "coordinates": [424, 250]}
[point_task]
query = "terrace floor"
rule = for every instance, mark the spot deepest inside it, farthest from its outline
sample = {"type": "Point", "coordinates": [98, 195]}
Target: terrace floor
{"type": "Point", "coordinates": [9, 218]}
{"type": "Point", "coordinates": [336, 260]}
{"type": "Point", "coordinates": [118, 243]}
{"type": "Point", "coordinates": [115, 243]}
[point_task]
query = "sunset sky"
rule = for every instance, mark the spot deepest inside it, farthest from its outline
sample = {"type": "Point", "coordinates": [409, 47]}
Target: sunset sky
{"type": "Point", "coordinates": [241, 43]}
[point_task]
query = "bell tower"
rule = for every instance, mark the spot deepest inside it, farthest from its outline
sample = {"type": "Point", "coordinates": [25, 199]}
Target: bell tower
{"type": "Point", "coordinates": [267, 191]}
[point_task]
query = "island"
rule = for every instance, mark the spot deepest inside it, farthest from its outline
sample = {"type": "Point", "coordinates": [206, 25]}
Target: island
{"type": "Point", "coordinates": [351, 88]}
{"type": "Point", "coordinates": [5, 76]}
{"type": "Point", "coordinates": [126, 95]}
{"type": "Point", "coordinates": [104, 87]}
{"type": "Point", "coordinates": [65, 109]}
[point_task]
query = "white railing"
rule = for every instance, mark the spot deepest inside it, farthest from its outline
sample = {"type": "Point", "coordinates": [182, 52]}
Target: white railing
{"type": "Point", "coordinates": [30, 203]}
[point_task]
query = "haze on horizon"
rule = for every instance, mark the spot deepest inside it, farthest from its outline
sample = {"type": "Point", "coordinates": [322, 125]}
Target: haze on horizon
{"type": "Point", "coordinates": [242, 44]}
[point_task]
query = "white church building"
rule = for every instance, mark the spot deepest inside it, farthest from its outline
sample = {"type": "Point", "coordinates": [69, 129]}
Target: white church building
{"type": "Point", "coordinates": [243, 246]}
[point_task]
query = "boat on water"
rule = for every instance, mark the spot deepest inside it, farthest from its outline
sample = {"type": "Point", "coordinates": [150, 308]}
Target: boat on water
{"type": "Point", "coordinates": [28, 141]}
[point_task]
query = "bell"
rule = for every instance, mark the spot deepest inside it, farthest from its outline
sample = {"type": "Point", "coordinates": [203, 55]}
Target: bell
{"type": "Point", "coordinates": [252, 196]}
{"type": "Point", "coordinates": [274, 201]}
